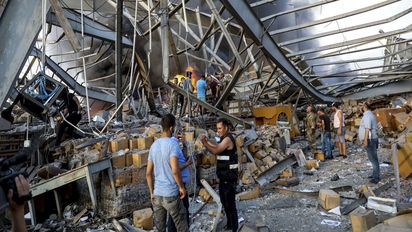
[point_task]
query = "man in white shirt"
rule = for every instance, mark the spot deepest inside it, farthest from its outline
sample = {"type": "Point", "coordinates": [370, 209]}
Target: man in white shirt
{"type": "Point", "coordinates": [367, 135]}
{"type": "Point", "coordinates": [339, 128]}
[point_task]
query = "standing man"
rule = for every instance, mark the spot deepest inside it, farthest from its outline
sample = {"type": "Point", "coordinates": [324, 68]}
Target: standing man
{"type": "Point", "coordinates": [188, 87]}
{"type": "Point", "coordinates": [169, 190]}
{"type": "Point", "coordinates": [226, 170]}
{"type": "Point", "coordinates": [311, 127]}
{"type": "Point", "coordinates": [326, 133]}
{"type": "Point", "coordinates": [184, 164]}
{"type": "Point", "coordinates": [201, 91]}
{"type": "Point", "coordinates": [339, 129]}
{"type": "Point", "coordinates": [368, 136]}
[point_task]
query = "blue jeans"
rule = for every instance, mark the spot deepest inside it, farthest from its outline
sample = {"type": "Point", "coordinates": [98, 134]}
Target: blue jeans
{"type": "Point", "coordinates": [326, 144]}
{"type": "Point", "coordinates": [372, 151]}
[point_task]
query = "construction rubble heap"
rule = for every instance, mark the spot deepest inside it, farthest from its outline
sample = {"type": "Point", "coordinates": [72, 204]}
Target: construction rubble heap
{"type": "Point", "coordinates": [290, 186]}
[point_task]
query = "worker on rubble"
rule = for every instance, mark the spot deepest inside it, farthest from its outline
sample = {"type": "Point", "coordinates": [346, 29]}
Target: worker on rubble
{"type": "Point", "coordinates": [213, 84]}
{"type": "Point", "coordinates": [184, 162]}
{"type": "Point", "coordinates": [324, 123]}
{"type": "Point", "coordinates": [226, 170]}
{"type": "Point", "coordinates": [175, 97]}
{"type": "Point", "coordinates": [188, 87]}
{"type": "Point", "coordinates": [72, 116]}
{"type": "Point", "coordinates": [310, 124]}
{"type": "Point", "coordinates": [201, 92]}
{"type": "Point", "coordinates": [339, 128]}
{"type": "Point", "coordinates": [168, 190]}
{"type": "Point", "coordinates": [368, 136]}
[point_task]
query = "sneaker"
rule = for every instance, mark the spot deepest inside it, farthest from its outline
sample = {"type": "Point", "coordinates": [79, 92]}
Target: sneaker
{"type": "Point", "coordinates": [370, 177]}
{"type": "Point", "coordinates": [374, 181]}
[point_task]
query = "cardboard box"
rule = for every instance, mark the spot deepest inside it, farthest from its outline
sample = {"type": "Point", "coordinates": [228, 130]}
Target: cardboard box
{"type": "Point", "coordinates": [143, 218]}
{"type": "Point", "coordinates": [319, 156]}
{"type": "Point", "coordinates": [140, 158]}
{"type": "Point", "coordinates": [145, 143]}
{"type": "Point", "coordinates": [133, 143]}
{"type": "Point", "coordinates": [309, 164]}
{"type": "Point", "coordinates": [119, 144]}
{"type": "Point", "coordinates": [405, 160]}
{"type": "Point", "coordinates": [119, 161]}
{"type": "Point", "coordinates": [362, 219]}
{"type": "Point", "coordinates": [129, 159]}
{"type": "Point", "coordinates": [328, 199]}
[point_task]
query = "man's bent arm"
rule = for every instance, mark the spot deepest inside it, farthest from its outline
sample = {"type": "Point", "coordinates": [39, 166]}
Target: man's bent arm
{"type": "Point", "coordinates": [174, 163]}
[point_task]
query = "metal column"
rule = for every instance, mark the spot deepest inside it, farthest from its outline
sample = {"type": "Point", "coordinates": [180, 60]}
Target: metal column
{"type": "Point", "coordinates": [119, 47]}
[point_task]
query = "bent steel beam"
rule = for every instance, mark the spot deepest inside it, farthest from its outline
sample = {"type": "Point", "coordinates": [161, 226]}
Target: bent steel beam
{"type": "Point", "coordinates": [255, 29]}
{"type": "Point", "coordinates": [91, 28]}
{"type": "Point", "coordinates": [72, 83]}
{"type": "Point", "coordinates": [403, 86]}
{"type": "Point", "coordinates": [211, 108]}
{"type": "Point", "coordinates": [19, 25]}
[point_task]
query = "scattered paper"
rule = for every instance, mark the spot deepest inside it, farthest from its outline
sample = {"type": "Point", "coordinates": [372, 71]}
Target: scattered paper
{"type": "Point", "coordinates": [330, 222]}
{"type": "Point", "coordinates": [335, 211]}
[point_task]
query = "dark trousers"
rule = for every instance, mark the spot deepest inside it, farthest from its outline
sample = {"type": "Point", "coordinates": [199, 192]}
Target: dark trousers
{"type": "Point", "coordinates": [326, 144]}
{"type": "Point", "coordinates": [227, 197]}
{"type": "Point", "coordinates": [371, 149]}
{"type": "Point", "coordinates": [171, 227]}
{"type": "Point", "coordinates": [73, 118]}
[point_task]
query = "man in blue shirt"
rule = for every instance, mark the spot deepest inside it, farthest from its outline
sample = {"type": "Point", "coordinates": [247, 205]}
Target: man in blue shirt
{"type": "Point", "coordinates": [368, 136]}
{"type": "Point", "coordinates": [168, 190]}
{"type": "Point", "coordinates": [201, 91]}
{"type": "Point", "coordinates": [184, 168]}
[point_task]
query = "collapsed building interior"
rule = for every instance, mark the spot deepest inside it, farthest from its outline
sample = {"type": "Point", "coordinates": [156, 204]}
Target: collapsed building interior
{"type": "Point", "coordinates": [123, 60]}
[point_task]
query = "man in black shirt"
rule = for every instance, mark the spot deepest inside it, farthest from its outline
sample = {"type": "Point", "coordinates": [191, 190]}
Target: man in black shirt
{"type": "Point", "coordinates": [226, 170]}
{"type": "Point", "coordinates": [326, 133]}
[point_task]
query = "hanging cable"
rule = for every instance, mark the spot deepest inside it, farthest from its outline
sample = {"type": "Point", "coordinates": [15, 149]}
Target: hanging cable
{"type": "Point", "coordinates": [43, 54]}
{"type": "Point", "coordinates": [134, 47]}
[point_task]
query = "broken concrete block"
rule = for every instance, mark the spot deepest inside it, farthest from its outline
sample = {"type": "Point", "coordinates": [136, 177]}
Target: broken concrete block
{"type": "Point", "coordinates": [328, 199]}
{"type": "Point", "coordinates": [204, 194]}
{"type": "Point", "coordinates": [145, 143]}
{"type": "Point", "coordinates": [309, 164]}
{"type": "Point", "coordinates": [267, 160]}
{"type": "Point", "coordinates": [91, 156]}
{"type": "Point", "coordinates": [251, 167]}
{"type": "Point", "coordinates": [140, 158]}
{"type": "Point", "coordinates": [119, 161]}
{"type": "Point", "coordinates": [260, 154]}
{"type": "Point", "coordinates": [249, 194]}
{"type": "Point", "coordinates": [362, 219]}
{"type": "Point", "coordinates": [252, 148]}
{"type": "Point", "coordinates": [119, 144]}
{"type": "Point", "coordinates": [247, 178]}
{"type": "Point", "coordinates": [405, 160]}
{"type": "Point", "coordinates": [383, 204]}
{"type": "Point", "coordinates": [143, 218]}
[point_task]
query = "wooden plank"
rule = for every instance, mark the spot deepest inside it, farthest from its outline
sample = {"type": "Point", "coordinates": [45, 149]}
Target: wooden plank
{"type": "Point", "coordinates": [65, 25]}
{"type": "Point", "coordinates": [58, 181]}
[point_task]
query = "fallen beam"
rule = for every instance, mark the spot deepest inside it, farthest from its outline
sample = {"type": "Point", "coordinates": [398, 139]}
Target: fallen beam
{"type": "Point", "coordinates": [272, 173]}
{"type": "Point", "coordinates": [211, 108]}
